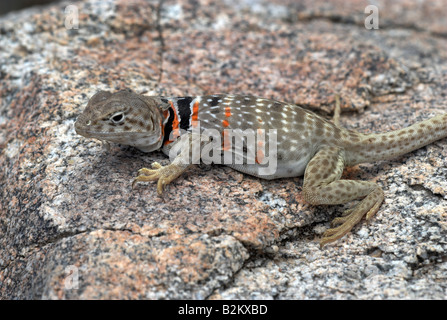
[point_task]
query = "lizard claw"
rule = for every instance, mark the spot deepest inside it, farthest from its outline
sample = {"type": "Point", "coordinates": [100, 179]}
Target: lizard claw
{"type": "Point", "coordinates": [150, 172]}
{"type": "Point", "coordinates": [342, 225]}
{"type": "Point", "coordinates": [164, 175]}
{"type": "Point", "coordinates": [157, 173]}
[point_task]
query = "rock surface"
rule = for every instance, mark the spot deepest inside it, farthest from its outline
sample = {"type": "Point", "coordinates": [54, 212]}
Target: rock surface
{"type": "Point", "coordinates": [71, 227]}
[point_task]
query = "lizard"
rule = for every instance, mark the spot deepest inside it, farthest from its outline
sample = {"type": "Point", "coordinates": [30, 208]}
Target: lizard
{"type": "Point", "coordinates": [306, 143]}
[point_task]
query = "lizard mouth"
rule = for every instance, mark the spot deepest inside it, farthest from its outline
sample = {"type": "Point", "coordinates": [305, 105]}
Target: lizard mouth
{"type": "Point", "coordinates": [87, 132]}
{"type": "Point", "coordinates": [141, 140]}
{"type": "Point", "coordinates": [81, 131]}
{"type": "Point", "coordinates": [110, 136]}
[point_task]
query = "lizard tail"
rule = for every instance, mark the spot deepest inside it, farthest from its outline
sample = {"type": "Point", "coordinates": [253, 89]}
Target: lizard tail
{"type": "Point", "coordinates": [382, 146]}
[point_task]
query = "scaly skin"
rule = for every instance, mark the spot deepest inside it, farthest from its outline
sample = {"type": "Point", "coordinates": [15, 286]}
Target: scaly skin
{"type": "Point", "coordinates": [305, 143]}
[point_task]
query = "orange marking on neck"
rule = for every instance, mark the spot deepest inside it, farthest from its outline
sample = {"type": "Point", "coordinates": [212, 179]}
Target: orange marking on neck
{"type": "Point", "coordinates": [225, 123]}
{"type": "Point", "coordinates": [162, 123]}
{"type": "Point", "coordinates": [195, 114]}
{"type": "Point", "coordinates": [175, 123]}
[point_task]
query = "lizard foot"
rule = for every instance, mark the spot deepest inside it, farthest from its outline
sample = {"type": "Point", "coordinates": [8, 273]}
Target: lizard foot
{"type": "Point", "coordinates": [368, 206]}
{"type": "Point", "coordinates": [164, 175]}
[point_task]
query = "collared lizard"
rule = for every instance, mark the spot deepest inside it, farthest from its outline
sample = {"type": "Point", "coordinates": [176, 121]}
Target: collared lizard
{"type": "Point", "coordinates": [305, 142]}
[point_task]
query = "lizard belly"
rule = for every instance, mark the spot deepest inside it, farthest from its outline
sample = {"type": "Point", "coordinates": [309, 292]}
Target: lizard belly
{"type": "Point", "coordinates": [282, 169]}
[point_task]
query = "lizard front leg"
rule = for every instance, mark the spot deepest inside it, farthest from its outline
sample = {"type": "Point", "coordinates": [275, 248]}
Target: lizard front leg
{"type": "Point", "coordinates": [322, 185]}
{"type": "Point", "coordinates": [166, 174]}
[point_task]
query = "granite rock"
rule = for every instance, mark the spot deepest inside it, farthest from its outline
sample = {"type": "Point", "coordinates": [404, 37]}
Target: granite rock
{"type": "Point", "coordinates": [71, 227]}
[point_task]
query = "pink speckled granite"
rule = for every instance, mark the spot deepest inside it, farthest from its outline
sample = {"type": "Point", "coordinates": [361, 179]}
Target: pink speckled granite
{"type": "Point", "coordinates": [65, 202]}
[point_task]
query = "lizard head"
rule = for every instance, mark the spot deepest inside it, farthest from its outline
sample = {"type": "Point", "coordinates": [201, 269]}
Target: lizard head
{"type": "Point", "coordinates": [123, 117]}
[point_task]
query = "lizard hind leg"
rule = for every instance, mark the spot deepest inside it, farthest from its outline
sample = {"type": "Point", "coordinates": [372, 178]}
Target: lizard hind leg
{"type": "Point", "coordinates": [322, 185]}
{"type": "Point", "coordinates": [368, 206]}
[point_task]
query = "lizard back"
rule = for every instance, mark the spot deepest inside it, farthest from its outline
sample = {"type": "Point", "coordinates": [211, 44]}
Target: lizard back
{"type": "Point", "coordinates": [297, 130]}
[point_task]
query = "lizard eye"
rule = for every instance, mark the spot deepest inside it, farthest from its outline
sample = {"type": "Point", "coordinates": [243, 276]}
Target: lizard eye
{"type": "Point", "coordinates": [117, 118]}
